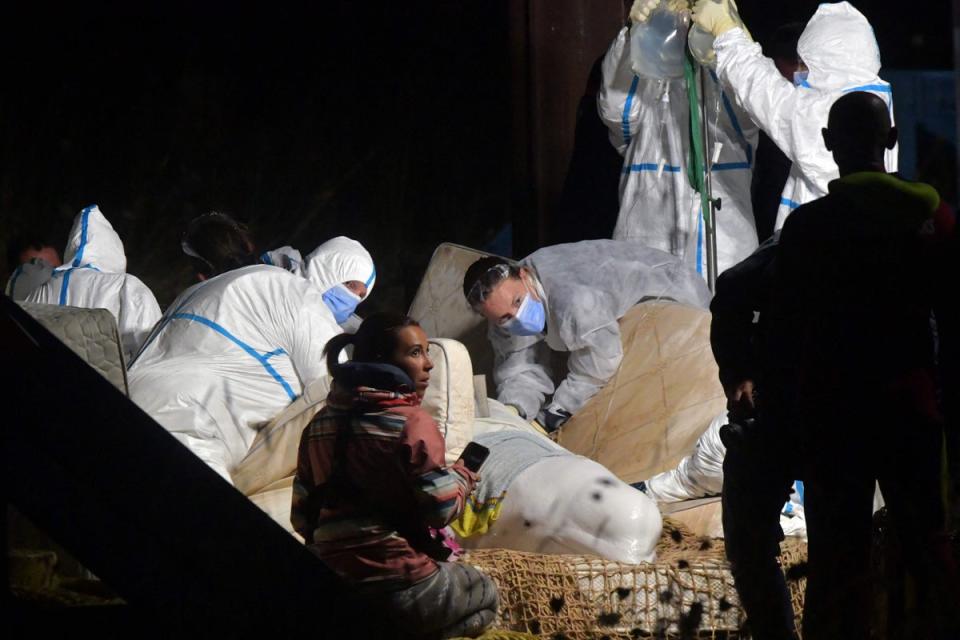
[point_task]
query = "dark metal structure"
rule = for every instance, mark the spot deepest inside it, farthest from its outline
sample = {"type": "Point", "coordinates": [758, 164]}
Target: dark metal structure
{"type": "Point", "coordinates": [554, 45]}
{"type": "Point", "coordinates": [956, 70]}
{"type": "Point", "coordinates": [190, 554]}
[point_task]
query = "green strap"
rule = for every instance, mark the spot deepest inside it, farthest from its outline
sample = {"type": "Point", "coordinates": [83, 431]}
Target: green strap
{"type": "Point", "coordinates": [696, 167]}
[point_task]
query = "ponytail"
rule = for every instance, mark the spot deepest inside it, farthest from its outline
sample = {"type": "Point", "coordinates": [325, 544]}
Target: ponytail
{"type": "Point", "coordinates": [335, 345]}
{"type": "Point", "coordinates": [374, 342]}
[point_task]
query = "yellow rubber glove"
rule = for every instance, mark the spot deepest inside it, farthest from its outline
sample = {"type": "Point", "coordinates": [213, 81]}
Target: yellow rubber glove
{"type": "Point", "coordinates": [641, 9]}
{"type": "Point", "coordinates": [717, 17]}
{"type": "Point", "coordinates": [539, 427]}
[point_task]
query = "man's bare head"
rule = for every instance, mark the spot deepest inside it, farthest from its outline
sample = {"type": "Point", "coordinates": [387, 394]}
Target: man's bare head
{"type": "Point", "coordinates": [859, 131]}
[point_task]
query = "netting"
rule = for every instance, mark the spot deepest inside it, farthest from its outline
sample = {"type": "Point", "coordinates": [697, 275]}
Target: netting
{"type": "Point", "coordinates": [793, 559]}
{"type": "Point", "coordinates": [687, 593]}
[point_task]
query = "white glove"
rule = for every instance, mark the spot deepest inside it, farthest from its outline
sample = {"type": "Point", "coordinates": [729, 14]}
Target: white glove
{"type": "Point", "coordinates": [641, 9]}
{"type": "Point", "coordinates": [717, 16]}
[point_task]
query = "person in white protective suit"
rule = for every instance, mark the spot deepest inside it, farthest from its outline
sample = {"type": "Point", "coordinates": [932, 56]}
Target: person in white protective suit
{"type": "Point", "coordinates": [840, 54]}
{"type": "Point", "coordinates": [234, 350]}
{"type": "Point", "coordinates": [698, 475]}
{"type": "Point", "coordinates": [285, 257]}
{"type": "Point", "coordinates": [288, 258]}
{"type": "Point", "coordinates": [568, 298]}
{"type": "Point", "coordinates": [216, 243]}
{"type": "Point", "coordinates": [649, 124]}
{"type": "Point", "coordinates": [94, 276]}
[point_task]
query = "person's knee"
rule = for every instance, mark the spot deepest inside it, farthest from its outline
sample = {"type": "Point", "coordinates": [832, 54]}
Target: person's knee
{"type": "Point", "coordinates": [480, 589]}
{"type": "Point", "coordinates": [491, 599]}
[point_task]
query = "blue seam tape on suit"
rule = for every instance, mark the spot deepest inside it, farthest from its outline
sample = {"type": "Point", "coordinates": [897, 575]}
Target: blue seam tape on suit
{"type": "Point", "coordinates": [650, 166]}
{"type": "Point", "coordinates": [625, 118]}
{"type": "Point", "coordinates": [66, 280]}
{"type": "Point", "coordinates": [64, 286]}
{"type": "Point", "coordinates": [883, 88]}
{"type": "Point", "coordinates": [84, 222]}
{"type": "Point", "coordinates": [262, 359]}
{"type": "Point", "coordinates": [162, 325]}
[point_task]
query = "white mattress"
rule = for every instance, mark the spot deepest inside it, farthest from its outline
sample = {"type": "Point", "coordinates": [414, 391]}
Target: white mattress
{"type": "Point", "coordinates": [90, 333]}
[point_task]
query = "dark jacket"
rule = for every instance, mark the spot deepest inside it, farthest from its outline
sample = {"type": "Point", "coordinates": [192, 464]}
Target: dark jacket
{"type": "Point", "coordinates": [742, 293]}
{"type": "Point", "coordinates": [860, 275]}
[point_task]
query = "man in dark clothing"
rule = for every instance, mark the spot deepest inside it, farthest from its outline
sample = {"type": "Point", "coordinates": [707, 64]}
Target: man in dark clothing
{"type": "Point", "coordinates": [849, 352]}
{"type": "Point", "coordinates": [756, 478]}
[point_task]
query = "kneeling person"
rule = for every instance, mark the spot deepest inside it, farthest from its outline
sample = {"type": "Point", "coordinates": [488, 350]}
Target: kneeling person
{"type": "Point", "coordinates": [568, 298]}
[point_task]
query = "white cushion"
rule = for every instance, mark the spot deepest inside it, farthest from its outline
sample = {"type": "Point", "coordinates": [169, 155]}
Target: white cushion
{"type": "Point", "coordinates": [449, 398]}
{"type": "Point", "coordinates": [90, 333]}
{"type": "Point", "coordinates": [273, 454]}
{"type": "Point", "coordinates": [274, 500]}
{"type": "Point", "coordinates": [443, 312]}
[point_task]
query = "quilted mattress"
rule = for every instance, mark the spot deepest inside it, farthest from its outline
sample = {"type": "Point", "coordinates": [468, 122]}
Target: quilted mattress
{"type": "Point", "coordinates": [660, 401]}
{"type": "Point", "coordinates": [443, 312]}
{"type": "Point", "coordinates": [90, 333]}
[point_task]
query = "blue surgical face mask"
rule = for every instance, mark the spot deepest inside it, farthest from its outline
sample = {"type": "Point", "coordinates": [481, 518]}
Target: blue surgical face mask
{"type": "Point", "coordinates": [800, 78]}
{"type": "Point", "coordinates": [342, 302]}
{"type": "Point", "coordinates": [530, 320]}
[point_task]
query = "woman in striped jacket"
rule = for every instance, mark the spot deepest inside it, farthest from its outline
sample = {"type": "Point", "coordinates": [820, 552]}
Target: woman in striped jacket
{"type": "Point", "coordinates": [371, 483]}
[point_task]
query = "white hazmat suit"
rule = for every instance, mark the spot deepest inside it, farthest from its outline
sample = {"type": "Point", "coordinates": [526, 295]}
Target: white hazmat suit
{"type": "Point", "coordinates": [840, 50]}
{"type": "Point", "coordinates": [93, 276]}
{"type": "Point", "coordinates": [699, 474]}
{"type": "Point", "coordinates": [233, 351]}
{"type": "Point", "coordinates": [339, 260]}
{"type": "Point", "coordinates": [649, 124]}
{"type": "Point", "coordinates": [586, 287]}
{"type": "Point", "coordinates": [354, 261]}
{"type": "Point", "coordinates": [284, 257]}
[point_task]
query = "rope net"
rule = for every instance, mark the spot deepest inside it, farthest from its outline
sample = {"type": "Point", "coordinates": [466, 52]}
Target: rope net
{"type": "Point", "coordinates": [687, 593]}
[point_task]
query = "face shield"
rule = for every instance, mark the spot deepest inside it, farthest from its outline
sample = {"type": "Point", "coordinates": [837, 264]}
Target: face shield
{"type": "Point", "coordinates": [489, 281]}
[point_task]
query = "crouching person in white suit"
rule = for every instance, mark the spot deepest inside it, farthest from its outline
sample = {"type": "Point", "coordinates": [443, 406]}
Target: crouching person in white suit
{"type": "Point", "coordinates": [232, 351]}
{"type": "Point", "coordinates": [93, 276]}
{"type": "Point", "coordinates": [568, 298]}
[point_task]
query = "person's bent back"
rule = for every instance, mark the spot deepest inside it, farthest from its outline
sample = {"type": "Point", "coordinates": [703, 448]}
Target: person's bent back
{"type": "Point", "coordinates": [234, 350]}
{"type": "Point", "coordinates": [94, 276]}
{"type": "Point", "coordinates": [229, 354]}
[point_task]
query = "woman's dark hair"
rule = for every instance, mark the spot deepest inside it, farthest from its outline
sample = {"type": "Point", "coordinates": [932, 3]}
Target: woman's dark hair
{"type": "Point", "coordinates": [375, 341]}
{"type": "Point", "coordinates": [484, 275]}
{"type": "Point", "coordinates": [217, 243]}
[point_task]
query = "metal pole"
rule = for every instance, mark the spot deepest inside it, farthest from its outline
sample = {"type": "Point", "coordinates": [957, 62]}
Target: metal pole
{"type": "Point", "coordinates": [709, 216]}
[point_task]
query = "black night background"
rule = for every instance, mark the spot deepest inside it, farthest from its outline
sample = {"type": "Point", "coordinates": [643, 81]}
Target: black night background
{"type": "Point", "coordinates": [396, 124]}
